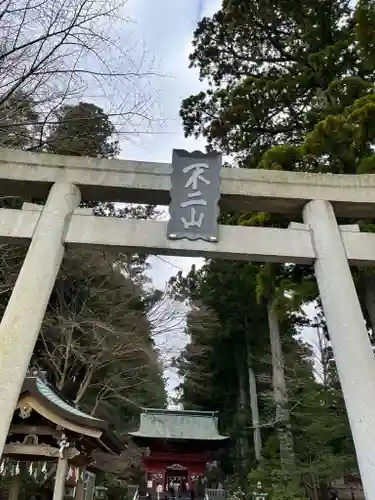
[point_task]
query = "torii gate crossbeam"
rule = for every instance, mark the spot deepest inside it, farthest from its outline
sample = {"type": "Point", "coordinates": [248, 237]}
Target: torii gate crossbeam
{"type": "Point", "coordinates": [33, 174]}
{"type": "Point", "coordinates": [319, 240]}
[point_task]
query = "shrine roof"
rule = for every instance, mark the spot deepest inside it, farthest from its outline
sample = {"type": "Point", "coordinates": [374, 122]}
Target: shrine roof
{"type": "Point", "coordinates": [50, 398]}
{"type": "Point", "coordinates": [179, 425]}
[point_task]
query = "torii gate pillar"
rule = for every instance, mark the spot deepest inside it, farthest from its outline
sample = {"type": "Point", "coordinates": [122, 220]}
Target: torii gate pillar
{"type": "Point", "coordinates": [23, 317]}
{"type": "Point", "coordinates": [320, 242]}
{"type": "Point", "coordinates": [350, 341]}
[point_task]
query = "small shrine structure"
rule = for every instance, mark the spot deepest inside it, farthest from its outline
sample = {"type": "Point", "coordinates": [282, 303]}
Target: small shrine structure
{"type": "Point", "coordinates": [180, 445]}
{"type": "Point", "coordinates": [47, 430]}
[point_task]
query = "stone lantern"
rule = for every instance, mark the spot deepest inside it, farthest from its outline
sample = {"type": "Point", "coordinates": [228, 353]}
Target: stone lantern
{"type": "Point", "coordinates": [259, 493]}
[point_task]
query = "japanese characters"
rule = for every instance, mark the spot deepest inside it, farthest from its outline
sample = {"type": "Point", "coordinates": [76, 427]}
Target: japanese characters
{"type": "Point", "coordinates": [195, 196]}
{"type": "Point", "coordinates": [195, 193]}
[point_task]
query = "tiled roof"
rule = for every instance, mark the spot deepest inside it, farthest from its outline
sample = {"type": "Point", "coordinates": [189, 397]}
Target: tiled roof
{"type": "Point", "coordinates": [49, 394]}
{"type": "Point", "coordinates": [179, 424]}
{"type": "Point", "coordinates": [50, 397]}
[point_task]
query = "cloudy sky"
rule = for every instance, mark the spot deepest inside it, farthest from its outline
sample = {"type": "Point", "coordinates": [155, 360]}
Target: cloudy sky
{"type": "Point", "coordinates": [165, 28]}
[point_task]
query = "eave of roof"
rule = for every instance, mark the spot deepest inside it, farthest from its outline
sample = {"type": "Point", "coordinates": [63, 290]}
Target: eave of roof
{"type": "Point", "coordinates": [178, 425]}
{"type": "Point", "coordinates": [56, 403]}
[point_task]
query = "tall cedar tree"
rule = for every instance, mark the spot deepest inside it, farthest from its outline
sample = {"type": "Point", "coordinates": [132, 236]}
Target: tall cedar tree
{"type": "Point", "coordinates": [82, 130]}
{"type": "Point", "coordinates": [277, 71]}
{"type": "Point", "coordinates": [269, 66]}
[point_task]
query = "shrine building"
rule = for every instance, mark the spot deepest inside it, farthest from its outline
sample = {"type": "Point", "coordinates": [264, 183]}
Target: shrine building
{"type": "Point", "coordinates": [49, 436]}
{"type": "Point", "coordinates": [179, 444]}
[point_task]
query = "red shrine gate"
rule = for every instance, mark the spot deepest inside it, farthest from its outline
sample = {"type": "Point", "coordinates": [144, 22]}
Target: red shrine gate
{"type": "Point", "coordinates": [179, 446]}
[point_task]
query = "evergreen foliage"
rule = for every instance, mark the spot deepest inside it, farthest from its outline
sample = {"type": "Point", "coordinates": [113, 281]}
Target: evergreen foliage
{"type": "Point", "coordinates": [290, 86]}
{"type": "Point", "coordinates": [82, 130]}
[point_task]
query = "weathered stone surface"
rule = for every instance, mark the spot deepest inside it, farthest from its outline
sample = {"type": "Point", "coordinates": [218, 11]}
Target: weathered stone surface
{"type": "Point", "coordinates": [32, 174]}
{"type": "Point", "coordinates": [109, 233]}
{"type": "Point", "coordinates": [348, 333]}
{"type": "Point", "coordinates": [257, 244]}
{"type": "Point", "coordinates": [21, 322]}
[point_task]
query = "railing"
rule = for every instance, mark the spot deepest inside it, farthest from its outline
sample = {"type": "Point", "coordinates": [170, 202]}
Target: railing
{"type": "Point", "coordinates": [133, 492]}
{"type": "Point", "coordinates": [90, 485]}
{"type": "Point", "coordinates": [214, 494]}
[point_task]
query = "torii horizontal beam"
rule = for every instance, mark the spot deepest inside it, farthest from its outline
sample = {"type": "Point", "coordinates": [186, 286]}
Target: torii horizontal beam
{"type": "Point", "coordinates": [255, 244]}
{"type": "Point", "coordinates": [318, 198]}
{"type": "Point", "coordinates": [33, 174]}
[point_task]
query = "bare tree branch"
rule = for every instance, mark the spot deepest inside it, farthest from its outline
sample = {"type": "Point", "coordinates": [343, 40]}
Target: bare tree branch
{"type": "Point", "coordinates": [56, 50]}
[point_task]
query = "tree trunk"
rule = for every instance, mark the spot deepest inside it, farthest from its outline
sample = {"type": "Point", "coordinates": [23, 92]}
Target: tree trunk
{"type": "Point", "coordinates": [287, 457]}
{"type": "Point", "coordinates": [253, 396]}
{"type": "Point", "coordinates": [369, 287]}
{"type": "Point", "coordinates": [243, 408]}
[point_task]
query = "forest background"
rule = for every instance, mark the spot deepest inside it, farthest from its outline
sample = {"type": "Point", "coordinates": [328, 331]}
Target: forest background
{"type": "Point", "coordinates": [285, 86]}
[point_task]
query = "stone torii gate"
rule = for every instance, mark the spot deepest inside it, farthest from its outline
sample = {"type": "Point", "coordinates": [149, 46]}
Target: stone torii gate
{"type": "Point", "coordinates": [319, 241]}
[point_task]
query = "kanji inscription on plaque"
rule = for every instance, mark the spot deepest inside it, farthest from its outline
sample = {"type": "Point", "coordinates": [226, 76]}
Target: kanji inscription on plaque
{"type": "Point", "coordinates": [195, 194]}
